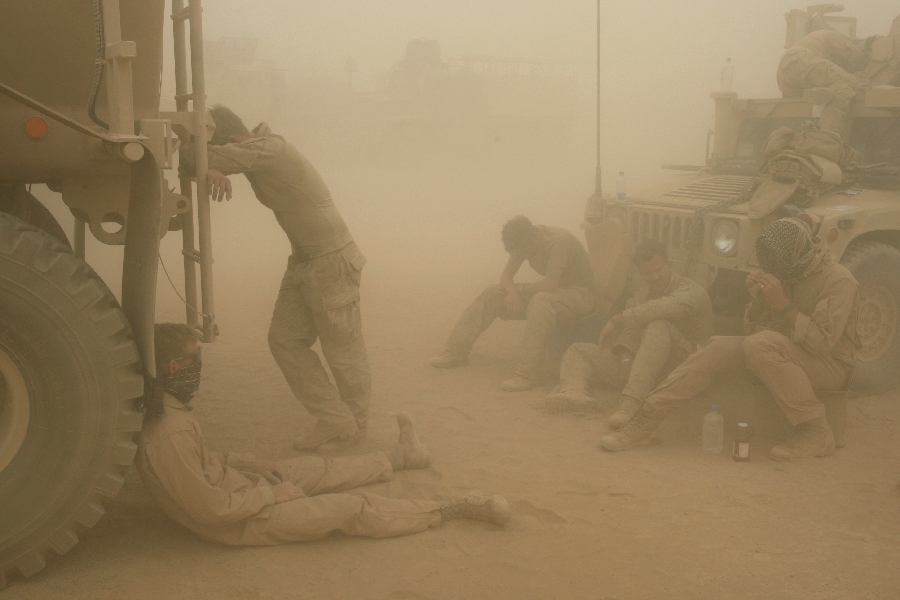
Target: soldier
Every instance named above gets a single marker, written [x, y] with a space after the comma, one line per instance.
[802, 326]
[319, 295]
[661, 325]
[234, 499]
[563, 295]
[827, 59]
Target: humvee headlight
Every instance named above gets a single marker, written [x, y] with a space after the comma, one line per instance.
[725, 237]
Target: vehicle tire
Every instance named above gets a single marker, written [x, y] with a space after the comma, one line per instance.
[877, 268]
[69, 372]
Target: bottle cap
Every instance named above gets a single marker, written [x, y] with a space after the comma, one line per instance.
[714, 407]
[742, 424]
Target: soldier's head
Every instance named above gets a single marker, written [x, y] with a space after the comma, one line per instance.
[519, 236]
[178, 359]
[229, 127]
[652, 261]
[785, 249]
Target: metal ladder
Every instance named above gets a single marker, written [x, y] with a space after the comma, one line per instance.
[195, 122]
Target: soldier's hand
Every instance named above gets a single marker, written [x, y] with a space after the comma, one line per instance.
[771, 288]
[514, 304]
[287, 491]
[754, 279]
[606, 334]
[219, 186]
[272, 471]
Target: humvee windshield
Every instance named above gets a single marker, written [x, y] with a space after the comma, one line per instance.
[876, 138]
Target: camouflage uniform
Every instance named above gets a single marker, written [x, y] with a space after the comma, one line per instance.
[570, 301]
[823, 58]
[658, 334]
[816, 354]
[319, 295]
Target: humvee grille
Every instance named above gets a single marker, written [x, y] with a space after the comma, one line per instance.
[712, 189]
[670, 229]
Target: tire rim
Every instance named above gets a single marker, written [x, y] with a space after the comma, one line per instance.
[877, 324]
[15, 410]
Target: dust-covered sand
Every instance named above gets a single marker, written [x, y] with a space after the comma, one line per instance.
[664, 521]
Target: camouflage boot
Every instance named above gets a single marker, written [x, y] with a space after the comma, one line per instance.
[475, 505]
[627, 409]
[813, 438]
[637, 431]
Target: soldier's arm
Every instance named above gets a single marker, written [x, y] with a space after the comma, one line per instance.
[177, 465]
[821, 331]
[248, 156]
[556, 265]
[678, 304]
[513, 264]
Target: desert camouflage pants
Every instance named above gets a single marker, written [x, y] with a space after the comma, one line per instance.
[801, 71]
[319, 299]
[659, 348]
[544, 310]
[790, 373]
[324, 511]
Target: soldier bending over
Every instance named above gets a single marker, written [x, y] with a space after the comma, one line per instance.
[661, 325]
[319, 295]
[802, 326]
[233, 499]
[564, 294]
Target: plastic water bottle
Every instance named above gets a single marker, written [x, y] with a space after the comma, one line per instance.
[727, 76]
[620, 188]
[713, 431]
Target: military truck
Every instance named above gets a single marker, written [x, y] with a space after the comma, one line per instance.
[79, 112]
[702, 216]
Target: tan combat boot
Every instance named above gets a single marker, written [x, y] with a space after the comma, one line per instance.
[813, 438]
[520, 383]
[448, 360]
[409, 453]
[637, 431]
[475, 505]
[575, 401]
[627, 409]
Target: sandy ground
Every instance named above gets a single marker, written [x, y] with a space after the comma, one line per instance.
[664, 521]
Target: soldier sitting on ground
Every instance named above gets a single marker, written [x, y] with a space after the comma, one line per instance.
[233, 499]
[802, 337]
[563, 295]
[661, 325]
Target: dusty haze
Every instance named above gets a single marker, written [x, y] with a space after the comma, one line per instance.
[425, 203]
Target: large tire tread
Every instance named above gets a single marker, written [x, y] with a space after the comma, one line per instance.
[39, 252]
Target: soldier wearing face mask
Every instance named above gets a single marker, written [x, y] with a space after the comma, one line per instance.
[232, 498]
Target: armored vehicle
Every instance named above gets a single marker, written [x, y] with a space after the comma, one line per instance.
[702, 217]
[79, 112]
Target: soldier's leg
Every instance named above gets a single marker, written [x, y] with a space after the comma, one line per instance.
[477, 317]
[690, 378]
[582, 365]
[657, 343]
[291, 336]
[844, 86]
[792, 374]
[332, 290]
[361, 514]
[316, 475]
[544, 310]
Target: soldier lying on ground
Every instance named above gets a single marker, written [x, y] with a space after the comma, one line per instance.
[661, 325]
[826, 59]
[319, 295]
[563, 295]
[802, 326]
[233, 499]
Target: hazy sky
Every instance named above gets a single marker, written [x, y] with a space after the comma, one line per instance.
[660, 58]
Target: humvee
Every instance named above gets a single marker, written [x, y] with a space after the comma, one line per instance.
[79, 112]
[702, 216]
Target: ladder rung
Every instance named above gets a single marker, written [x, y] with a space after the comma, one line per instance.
[183, 14]
[184, 97]
[194, 255]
